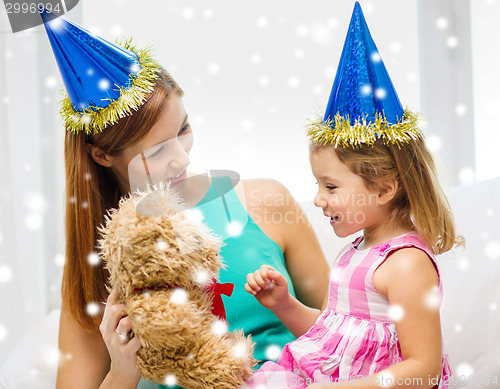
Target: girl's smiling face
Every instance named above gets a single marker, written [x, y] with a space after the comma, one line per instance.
[343, 195]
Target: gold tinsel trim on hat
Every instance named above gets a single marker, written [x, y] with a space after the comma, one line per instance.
[94, 119]
[341, 132]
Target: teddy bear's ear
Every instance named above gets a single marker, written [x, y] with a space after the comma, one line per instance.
[158, 202]
[151, 205]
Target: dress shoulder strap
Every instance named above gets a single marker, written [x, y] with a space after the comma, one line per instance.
[410, 239]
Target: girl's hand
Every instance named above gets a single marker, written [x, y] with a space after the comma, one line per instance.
[268, 286]
[115, 327]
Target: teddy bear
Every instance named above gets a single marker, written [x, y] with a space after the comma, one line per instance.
[165, 262]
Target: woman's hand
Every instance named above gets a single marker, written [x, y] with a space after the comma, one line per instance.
[269, 287]
[115, 327]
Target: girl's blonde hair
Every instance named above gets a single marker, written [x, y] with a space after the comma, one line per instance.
[91, 190]
[419, 204]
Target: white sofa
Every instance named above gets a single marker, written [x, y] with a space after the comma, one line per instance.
[470, 311]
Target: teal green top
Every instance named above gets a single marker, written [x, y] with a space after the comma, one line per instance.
[245, 249]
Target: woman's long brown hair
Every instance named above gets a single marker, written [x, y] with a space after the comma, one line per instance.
[91, 190]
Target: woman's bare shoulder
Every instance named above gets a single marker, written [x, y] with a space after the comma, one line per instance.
[267, 192]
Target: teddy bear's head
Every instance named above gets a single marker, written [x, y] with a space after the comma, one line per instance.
[156, 243]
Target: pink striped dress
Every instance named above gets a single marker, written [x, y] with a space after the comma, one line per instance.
[355, 335]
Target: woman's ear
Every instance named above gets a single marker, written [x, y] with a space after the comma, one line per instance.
[99, 156]
[387, 192]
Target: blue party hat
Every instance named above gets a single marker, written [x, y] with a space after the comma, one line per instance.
[104, 82]
[363, 104]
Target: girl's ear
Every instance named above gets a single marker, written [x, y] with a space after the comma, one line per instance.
[387, 192]
[99, 156]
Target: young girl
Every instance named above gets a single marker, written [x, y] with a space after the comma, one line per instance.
[100, 154]
[382, 312]
[380, 323]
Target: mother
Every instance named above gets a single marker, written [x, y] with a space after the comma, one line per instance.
[106, 148]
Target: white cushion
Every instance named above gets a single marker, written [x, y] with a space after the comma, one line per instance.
[470, 313]
[33, 362]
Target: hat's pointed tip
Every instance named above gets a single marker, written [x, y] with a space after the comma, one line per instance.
[357, 12]
[357, 17]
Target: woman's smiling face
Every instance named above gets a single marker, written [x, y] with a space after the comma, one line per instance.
[161, 156]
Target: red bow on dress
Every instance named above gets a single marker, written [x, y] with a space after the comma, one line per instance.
[217, 290]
